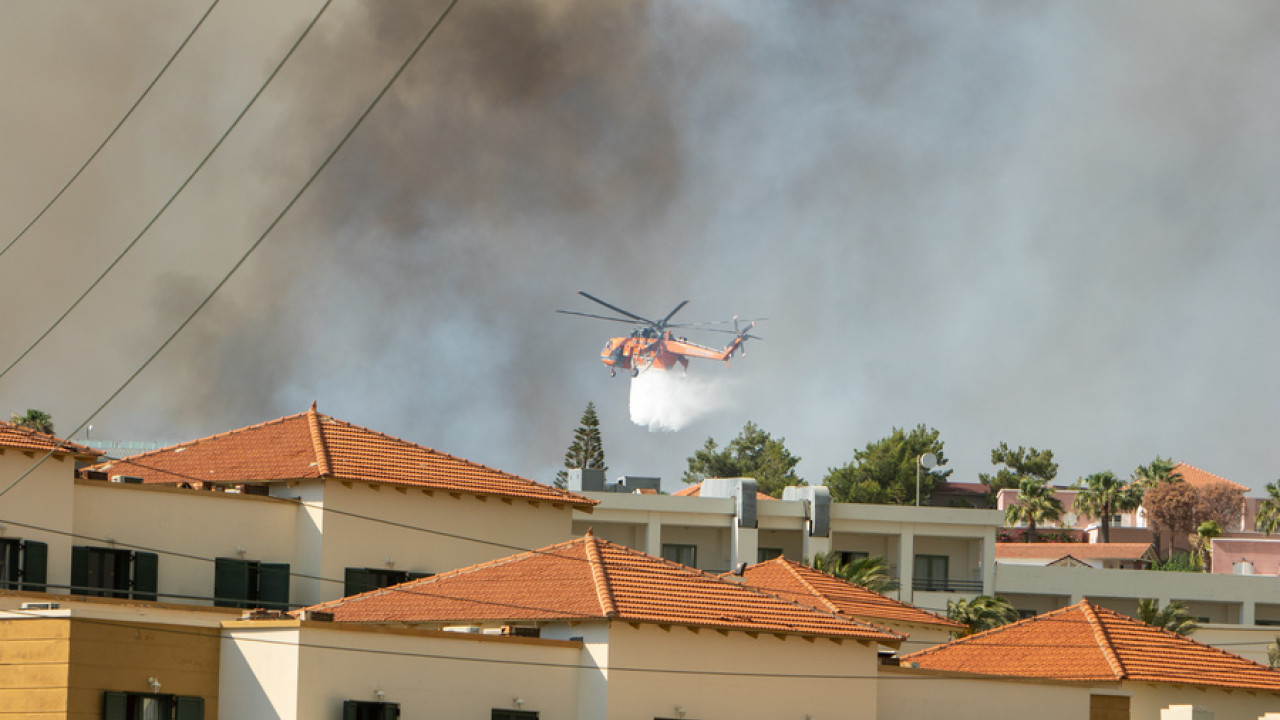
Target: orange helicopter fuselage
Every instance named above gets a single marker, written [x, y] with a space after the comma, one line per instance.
[643, 350]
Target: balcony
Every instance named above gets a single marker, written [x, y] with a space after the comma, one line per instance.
[946, 585]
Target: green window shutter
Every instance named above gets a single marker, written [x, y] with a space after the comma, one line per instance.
[115, 706]
[35, 565]
[391, 711]
[188, 708]
[146, 575]
[79, 570]
[273, 586]
[356, 581]
[230, 582]
[350, 710]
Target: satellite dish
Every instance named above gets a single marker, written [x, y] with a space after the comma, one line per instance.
[928, 461]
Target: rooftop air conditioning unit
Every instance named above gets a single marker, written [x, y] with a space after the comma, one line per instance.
[130, 479]
[40, 606]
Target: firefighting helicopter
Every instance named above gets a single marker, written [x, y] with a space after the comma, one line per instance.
[652, 344]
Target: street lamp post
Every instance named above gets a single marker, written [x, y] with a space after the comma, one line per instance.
[928, 461]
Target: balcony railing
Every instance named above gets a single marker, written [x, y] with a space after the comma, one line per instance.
[946, 585]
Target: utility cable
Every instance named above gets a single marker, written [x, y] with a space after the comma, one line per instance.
[113, 132]
[167, 203]
[254, 246]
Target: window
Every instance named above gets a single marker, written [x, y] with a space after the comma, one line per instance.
[930, 572]
[108, 572]
[513, 715]
[683, 554]
[23, 564]
[250, 584]
[848, 557]
[359, 580]
[767, 554]
[150, 706]
[366, 710]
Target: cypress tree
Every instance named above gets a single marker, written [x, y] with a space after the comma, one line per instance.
[587, 450]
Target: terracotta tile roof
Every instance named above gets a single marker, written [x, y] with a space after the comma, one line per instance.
[800, 583]
[312, 445]
[593, 579]
[1198, 477]
[1080, 551]
[21, 438]
[696, 491]
[1088, 643]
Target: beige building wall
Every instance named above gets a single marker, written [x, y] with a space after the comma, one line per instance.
[921, 695]
[304, 671]
[43, 503]
[35, 661]
[1149, 699]
[735, 675]
[191, 527]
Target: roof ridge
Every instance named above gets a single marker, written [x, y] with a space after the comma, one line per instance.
[189, 443]
[1103, 637]
[323, 466]
[1211, 474]
[791, 568]
[599, 576]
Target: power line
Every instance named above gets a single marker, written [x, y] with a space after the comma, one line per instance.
[245, 256]
[156, 217]
[113, 132]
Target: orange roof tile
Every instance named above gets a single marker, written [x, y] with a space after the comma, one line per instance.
[1198, 477]
[1088, 643]
[1080, 551]
[588, 579]
[800, 583]
[21, 438]
[312, 445]
[696, 491]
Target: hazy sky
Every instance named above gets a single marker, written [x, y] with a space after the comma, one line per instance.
[1050, 224]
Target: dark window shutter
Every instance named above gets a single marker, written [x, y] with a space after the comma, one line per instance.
[350, 710]
[35, 565]
[230, 582]
[420, 575]
[273, 586]
[146, 575]
[390, 711]
[356, 581]
[188, 708]
[115, 705]
[79, 570]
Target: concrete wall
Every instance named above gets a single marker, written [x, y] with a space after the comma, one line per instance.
[1149, 699]
[734, 675]
[302, 671]
[44, 504]
[1263, 553]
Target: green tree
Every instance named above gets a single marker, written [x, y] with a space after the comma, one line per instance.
[1173, 617]
[754, 454]
[587, 450]
[1036, 504]
[1157, 471]
[871, 573]
[1205, 533]
[1102, 494]
[885, 471]
[1018, 465]
[1268, 518]
[981, 613]
[37, 420]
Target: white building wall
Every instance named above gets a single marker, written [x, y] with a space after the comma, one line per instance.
[712, 675]
[919, 695]
[44, 504]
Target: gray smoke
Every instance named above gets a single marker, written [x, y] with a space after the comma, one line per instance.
[1050, 225]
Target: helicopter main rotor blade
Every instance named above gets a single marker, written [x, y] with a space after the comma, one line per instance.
[673, 312]
[615, 308]
[599, 317]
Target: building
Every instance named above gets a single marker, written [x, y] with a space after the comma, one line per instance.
[1092, 662]
[595, 630]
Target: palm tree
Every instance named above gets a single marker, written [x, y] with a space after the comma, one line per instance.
[981, 613]
[1102, 494]
[1036, 503]
[1208, 530]
[37, 420]
[1173, 617]
[1268, 518]
[1159, 470]
[871, 573]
